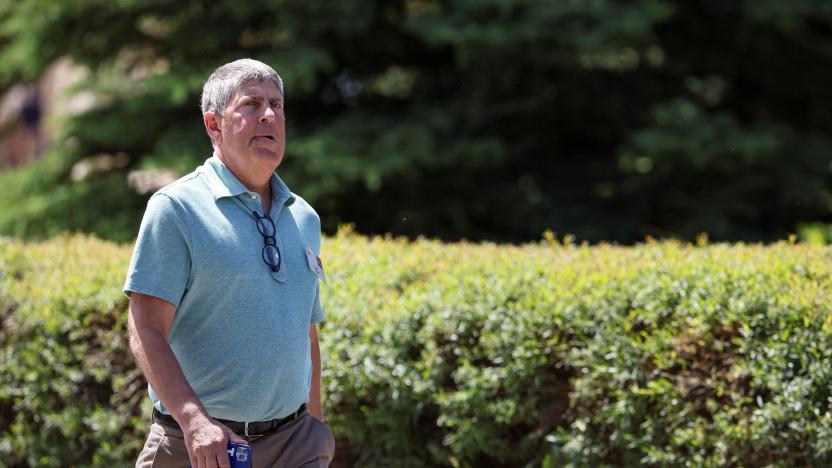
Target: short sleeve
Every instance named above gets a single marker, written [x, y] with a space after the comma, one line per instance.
[317, 309]
[161, 263]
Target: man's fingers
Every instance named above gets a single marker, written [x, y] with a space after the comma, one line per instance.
[208, 444]
[212, 456]
[222, 460]
[233, 437]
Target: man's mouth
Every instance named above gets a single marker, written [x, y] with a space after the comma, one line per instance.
[265, 136]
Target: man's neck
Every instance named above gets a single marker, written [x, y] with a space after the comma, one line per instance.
[266, 199]
[255, 180]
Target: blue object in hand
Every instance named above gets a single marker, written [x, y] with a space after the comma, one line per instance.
[239, 455]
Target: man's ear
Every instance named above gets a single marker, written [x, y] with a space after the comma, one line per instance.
[212, 126]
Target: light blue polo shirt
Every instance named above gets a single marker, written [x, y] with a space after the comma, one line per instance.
[241, 332]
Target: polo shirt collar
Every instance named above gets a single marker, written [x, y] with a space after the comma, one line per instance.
[223, 183]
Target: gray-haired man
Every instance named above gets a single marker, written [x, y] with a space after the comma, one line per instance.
[224, 294]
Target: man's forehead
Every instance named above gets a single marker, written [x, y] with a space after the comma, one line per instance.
[258, 88]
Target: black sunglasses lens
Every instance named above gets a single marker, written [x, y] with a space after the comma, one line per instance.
[271, 256]
[265, 226]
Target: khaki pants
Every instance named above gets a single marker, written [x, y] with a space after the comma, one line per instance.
[306, 441]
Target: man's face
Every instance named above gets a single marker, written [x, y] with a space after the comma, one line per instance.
[252, 129]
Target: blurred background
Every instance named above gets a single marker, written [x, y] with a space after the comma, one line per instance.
[481, 120]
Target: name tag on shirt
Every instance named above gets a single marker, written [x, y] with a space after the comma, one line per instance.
[315, 264]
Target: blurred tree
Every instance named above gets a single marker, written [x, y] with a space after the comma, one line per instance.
[480, 119]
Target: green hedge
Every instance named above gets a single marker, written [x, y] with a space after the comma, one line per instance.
[470, 355]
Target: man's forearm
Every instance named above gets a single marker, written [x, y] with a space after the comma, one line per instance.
[164, 374]
[315, 390]
[149, 322]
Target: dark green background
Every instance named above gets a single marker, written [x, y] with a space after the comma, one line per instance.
[610, 120]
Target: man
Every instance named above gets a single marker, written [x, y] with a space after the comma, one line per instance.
[224, 294]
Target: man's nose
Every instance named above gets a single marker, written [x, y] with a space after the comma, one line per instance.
[268, 115]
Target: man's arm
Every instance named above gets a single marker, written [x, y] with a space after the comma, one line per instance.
[315, 391]
[149, 321]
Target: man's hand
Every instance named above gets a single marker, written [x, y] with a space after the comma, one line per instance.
[207, 442]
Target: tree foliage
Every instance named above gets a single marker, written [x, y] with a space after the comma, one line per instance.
[480, 119]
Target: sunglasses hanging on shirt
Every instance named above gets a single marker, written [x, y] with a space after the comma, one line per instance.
[267, 229]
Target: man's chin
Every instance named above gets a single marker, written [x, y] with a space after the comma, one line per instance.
[267, 154]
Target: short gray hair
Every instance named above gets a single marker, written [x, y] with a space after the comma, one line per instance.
[228, 78]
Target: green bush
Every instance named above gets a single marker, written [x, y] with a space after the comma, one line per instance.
[547, 354]
[70, 393]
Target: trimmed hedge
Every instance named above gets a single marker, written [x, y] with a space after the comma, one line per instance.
[469, 355]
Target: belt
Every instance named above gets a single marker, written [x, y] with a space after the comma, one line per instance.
[247, 429]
